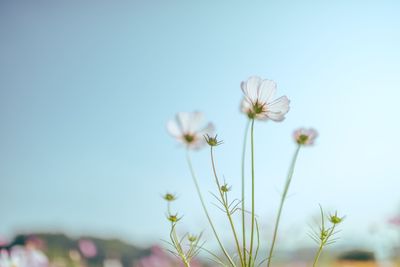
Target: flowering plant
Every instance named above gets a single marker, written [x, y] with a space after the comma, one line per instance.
[20, 256]
[258, 104]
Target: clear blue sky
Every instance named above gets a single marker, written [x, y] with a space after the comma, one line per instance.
[86, 90]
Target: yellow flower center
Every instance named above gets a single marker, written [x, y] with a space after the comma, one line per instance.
[302, 139]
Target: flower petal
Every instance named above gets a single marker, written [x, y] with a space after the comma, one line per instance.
[189, 122]
[196, 120]
[277, 109]
[183, 121]
[266, 91]
[209, 129]
[173, 128]
[246, 106]
[312, 133]
[250, 88]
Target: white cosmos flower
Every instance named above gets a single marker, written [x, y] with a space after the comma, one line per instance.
[23, 257]
[304, 136]
[6, 260]
[189, 128]
[258, 101]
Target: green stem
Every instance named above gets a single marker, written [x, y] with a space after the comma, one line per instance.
[177, 245]
[283, 198]
[252, 193]
[243, 191]
[317, 255]
[224, 200]
[205, 209]
[323, 243]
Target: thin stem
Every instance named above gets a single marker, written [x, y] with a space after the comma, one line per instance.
[317, 255]
[224, 200]
[323, 243]
[283, 198]
[252, 193]
[258, 243]
[177, 245]
[243, 190]
[205, 209]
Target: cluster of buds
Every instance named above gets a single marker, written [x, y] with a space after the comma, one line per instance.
[186, 255]
[169, 197]
[325, 234]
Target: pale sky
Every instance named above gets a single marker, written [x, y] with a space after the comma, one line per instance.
[86, 90]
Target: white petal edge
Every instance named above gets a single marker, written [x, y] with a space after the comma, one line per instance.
[266, 91]
[250, 87]
[277, 109]
[196, 121]
[173, 128]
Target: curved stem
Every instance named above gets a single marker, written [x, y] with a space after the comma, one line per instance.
[243, 191]
[252, 193]
[224, 200]
[205, 209]
[283, 198]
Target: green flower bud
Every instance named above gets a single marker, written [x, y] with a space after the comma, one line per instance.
[192, 238]
[212, 141]
[225, 188]
[169, 197]
[335, 219]
[173, 218]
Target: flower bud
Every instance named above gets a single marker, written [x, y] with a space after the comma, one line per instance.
[192, 238]
[212, 141]
[225, 188]
[335, 219]
[169, 197]
[173, 218]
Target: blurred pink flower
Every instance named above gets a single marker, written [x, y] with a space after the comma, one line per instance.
[87, 248]
[23, 257]
[395, 221]
[3, 241]
[35, 242]
[189, 128]
[304, 136]
[258, 102]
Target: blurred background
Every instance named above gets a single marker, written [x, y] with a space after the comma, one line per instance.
[86, 88]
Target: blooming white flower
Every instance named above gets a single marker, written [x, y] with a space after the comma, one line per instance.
[258, 100]
[304, 136]
[189, 128]
[6, 260]
[23, 257]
